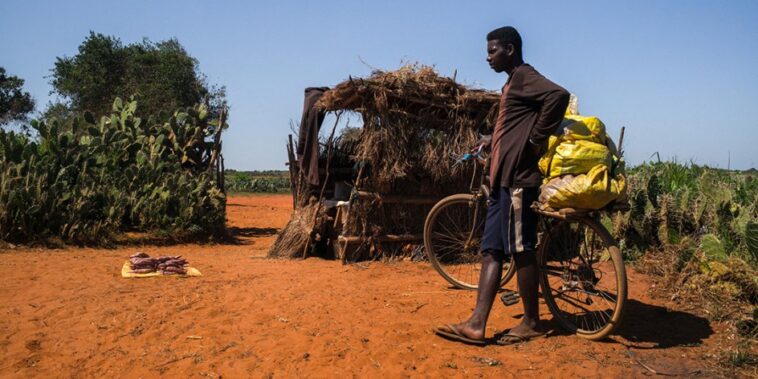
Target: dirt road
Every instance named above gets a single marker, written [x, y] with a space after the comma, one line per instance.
[68, 313]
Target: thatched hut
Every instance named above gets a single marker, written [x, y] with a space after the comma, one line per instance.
[374, 187]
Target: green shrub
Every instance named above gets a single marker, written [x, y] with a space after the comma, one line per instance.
[269, 181]
[670, 201]
[86, 180]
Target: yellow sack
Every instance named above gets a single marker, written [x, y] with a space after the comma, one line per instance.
[588, 128]
[593, 190]
[582, 144]
[574, 157]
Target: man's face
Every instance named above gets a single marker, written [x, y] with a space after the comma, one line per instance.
[499, 56]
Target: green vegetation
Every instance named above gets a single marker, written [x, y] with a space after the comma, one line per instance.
[714, 211]
[86, 180]
[161, 75]
[696, 229]
[269, 181]
[15, 105]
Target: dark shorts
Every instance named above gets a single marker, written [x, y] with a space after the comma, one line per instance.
[511, 225]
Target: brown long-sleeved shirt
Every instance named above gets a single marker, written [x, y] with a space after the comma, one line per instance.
[531, 109]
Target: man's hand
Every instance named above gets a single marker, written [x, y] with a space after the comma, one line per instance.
[538, 149]
[484, 142]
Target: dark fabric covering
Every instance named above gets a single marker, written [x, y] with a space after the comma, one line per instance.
[307, 143]
[534, 108]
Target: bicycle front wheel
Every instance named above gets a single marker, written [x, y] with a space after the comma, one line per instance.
[583, 277]
[452, 236]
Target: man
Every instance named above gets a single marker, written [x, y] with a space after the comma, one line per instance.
[531, 109]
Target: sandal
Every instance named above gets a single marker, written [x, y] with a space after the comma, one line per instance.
[451, 333]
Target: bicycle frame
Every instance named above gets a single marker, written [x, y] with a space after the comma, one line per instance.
[482, 189]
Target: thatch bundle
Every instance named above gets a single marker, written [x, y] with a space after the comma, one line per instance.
[414, 120]
[415, 123]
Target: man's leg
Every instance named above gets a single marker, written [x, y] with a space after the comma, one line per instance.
[492, 245]
[528, 283]
[523, 242]
[489, 283]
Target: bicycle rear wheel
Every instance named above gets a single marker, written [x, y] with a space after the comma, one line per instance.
[583, 277]
[452, 236]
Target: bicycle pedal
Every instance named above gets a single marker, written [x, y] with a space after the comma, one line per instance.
[509, 298]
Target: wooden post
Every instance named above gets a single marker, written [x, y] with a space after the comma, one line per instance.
[217, 140]
[222, 178]
[291, 163]
[621, 141]
[326, 179]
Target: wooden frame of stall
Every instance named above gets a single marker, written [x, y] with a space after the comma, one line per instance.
[342, 245]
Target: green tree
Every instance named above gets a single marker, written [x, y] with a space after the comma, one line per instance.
[162, 76]
[15, 105]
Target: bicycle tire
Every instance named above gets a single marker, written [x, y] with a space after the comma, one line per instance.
[558, 235]
[437, 235]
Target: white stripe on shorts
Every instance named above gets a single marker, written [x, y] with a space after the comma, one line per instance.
[517, 203]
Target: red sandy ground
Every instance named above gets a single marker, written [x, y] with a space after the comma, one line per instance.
[68, 313]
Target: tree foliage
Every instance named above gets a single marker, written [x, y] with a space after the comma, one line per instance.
[15, 104]
[161, 75]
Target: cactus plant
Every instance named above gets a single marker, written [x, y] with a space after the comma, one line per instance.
[86, 180]
[751, 238]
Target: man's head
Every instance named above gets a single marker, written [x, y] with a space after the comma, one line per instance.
[504, 49]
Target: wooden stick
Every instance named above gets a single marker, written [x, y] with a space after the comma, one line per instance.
[621, 142]
[291, 164]
[217, 139]
[326, 179]
[383, 238]
[222, 179]
[397, 199]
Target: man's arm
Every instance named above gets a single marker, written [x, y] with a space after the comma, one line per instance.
[552, 100]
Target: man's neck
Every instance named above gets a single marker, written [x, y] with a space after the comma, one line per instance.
[516, 65]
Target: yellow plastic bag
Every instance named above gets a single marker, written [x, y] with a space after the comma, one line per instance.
[588, 128]
[581, 145]
[593, 190]
[574, 157]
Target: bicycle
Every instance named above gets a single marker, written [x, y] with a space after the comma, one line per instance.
[576, 254]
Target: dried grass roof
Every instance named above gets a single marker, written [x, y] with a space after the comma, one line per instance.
[409, 90]
[414, 120]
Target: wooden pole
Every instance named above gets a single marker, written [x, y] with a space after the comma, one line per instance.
[396, 199]
[621, 141]
[326, 179]
[217, 139]
[291, 163]
[384, 238]
[222, 178]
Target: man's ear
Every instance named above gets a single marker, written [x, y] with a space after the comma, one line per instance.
[510, 49]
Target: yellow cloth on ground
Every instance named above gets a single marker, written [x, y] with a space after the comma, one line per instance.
[126, 272]
[593, 190]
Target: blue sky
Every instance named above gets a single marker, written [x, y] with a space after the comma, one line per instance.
[682, 76]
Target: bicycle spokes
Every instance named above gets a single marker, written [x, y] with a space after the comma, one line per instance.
[581, 277]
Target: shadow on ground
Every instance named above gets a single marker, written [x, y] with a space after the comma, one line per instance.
[240, 236]
[647, 326]
[662, 327]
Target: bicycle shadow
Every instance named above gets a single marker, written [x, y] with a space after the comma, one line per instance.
[662, 327]
[648, 326]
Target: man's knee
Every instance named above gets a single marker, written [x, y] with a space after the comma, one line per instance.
[492, 256]
[525, 258]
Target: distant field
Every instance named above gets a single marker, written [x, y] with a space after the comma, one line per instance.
[269, 181]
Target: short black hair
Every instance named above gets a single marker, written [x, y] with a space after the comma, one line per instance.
[506, 34]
